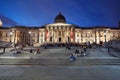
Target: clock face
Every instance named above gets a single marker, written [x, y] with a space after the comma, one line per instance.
[0, 22]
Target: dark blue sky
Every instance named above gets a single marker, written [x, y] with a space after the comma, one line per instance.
[79, 12]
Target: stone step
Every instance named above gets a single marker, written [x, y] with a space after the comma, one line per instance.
[60, 61]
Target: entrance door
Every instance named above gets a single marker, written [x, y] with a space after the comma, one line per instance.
[50, 39]
[59, 39]
[68, 39]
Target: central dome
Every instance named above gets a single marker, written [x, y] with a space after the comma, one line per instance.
[60, 18]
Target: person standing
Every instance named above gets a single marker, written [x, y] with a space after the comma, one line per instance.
[84, 48]
[38, 51]
[4, 49]
[31, 50]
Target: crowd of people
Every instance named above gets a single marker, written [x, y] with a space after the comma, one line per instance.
[83, 50]
[77, 53]
[68, 46]
[36, 52]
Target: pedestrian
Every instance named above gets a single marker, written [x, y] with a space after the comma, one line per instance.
[84, 47]
[83, 53]
[72, 57]
[4, 49]
[69, 47]
[76, 51]
[15, 51]
[38, 51]
[31, 50]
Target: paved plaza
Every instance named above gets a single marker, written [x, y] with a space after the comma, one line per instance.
[54, 64]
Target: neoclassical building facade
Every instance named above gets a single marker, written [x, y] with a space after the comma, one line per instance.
[58, 32]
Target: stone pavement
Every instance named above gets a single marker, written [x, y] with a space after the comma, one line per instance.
[114, 52]
[56, 61]
[59, 73]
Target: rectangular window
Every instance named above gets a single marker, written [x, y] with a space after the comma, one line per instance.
[85, 34]
[41, 35]
[6, 35]
[113, 34]
[41, 40]
[50, 33]
[91, 35]
[59, 33]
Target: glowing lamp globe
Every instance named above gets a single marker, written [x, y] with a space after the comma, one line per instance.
[0, 23]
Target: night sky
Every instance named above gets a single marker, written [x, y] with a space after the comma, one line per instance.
[80, 12]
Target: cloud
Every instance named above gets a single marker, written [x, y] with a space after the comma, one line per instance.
[6, 21]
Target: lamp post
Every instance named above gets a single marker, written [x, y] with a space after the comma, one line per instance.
[14, 41]
[30, 41]
[11, 33]
[14, 38]
[30, 36]
[105, 36]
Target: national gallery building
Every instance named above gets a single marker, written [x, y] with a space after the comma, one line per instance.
[58, 32]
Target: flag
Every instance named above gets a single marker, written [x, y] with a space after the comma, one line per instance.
[72, 34]
[47, 34]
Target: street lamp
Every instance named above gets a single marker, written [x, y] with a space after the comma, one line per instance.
[105, 36]
[14, 31]
[30, 32]
[30, 41]
[11, 35]
[30, 36]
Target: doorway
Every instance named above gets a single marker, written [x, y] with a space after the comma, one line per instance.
[59, 39]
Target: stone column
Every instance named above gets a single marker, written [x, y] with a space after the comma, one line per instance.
[81, 37]
[95, 37]
[38, 36]
[99, 35]
[53, 36]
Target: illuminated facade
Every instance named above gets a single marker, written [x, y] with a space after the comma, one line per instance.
[58, 32]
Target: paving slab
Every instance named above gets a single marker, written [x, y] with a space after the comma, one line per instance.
[59, 73]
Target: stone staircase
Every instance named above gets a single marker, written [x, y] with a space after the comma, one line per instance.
[47, 61]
